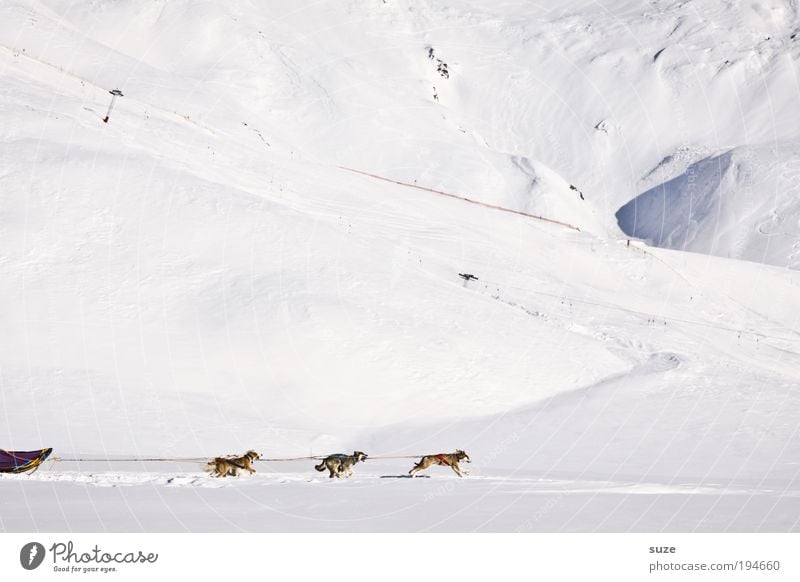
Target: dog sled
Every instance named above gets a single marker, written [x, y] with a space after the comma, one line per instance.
[22, 461]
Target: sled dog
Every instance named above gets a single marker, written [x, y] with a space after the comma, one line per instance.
[224, 466]
[341, 465]
[447, 459]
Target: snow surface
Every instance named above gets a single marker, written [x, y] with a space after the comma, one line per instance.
[205, 274]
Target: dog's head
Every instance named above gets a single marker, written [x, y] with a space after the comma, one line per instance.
[359, 456]
[461, 455]
[252, 455]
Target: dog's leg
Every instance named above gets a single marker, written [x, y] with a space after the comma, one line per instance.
[421, 466]
[456, 469]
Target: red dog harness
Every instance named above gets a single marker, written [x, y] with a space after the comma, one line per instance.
[443, 460]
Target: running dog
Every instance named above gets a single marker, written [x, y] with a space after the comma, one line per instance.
[447, 459]
[230, 466]
[341, 465]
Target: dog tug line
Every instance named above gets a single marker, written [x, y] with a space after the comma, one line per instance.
[338, 464]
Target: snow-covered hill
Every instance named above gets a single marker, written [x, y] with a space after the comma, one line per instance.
[715, 206]
[205, 273]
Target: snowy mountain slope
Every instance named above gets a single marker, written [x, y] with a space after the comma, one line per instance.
[715, 207]
[599, 94]
[201, 276]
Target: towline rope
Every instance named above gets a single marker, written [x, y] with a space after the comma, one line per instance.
[371, 457]
[205, 459]
[129, 460]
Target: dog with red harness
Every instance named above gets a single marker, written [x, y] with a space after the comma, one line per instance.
[447, 459]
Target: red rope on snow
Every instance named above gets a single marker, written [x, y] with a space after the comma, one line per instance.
[463, 198]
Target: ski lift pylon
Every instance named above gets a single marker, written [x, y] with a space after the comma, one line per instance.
[114, 94]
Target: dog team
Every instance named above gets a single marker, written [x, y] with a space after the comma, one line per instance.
[338, 465]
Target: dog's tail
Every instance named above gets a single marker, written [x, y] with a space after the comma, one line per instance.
[320, 467]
